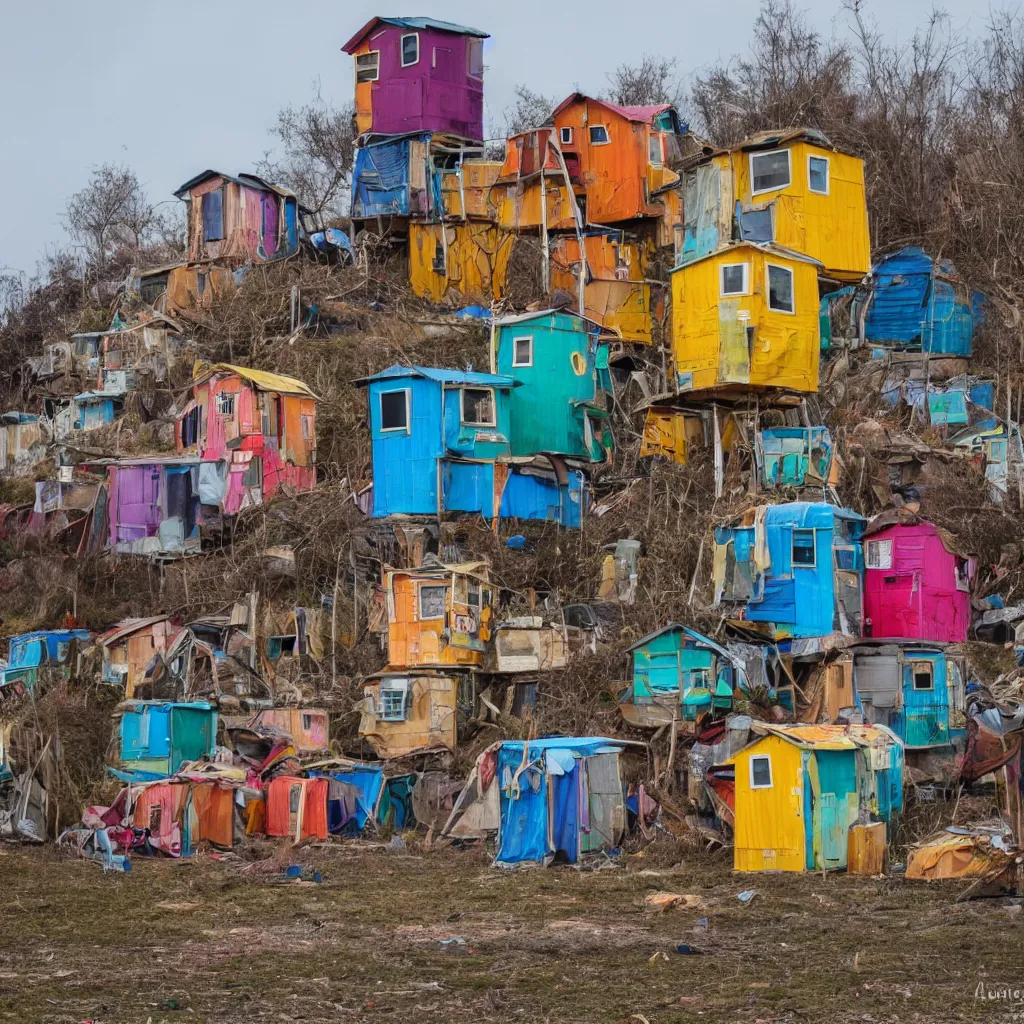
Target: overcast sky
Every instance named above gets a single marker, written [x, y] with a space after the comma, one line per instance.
[170, 90]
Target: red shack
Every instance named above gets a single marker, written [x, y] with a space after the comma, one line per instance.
[916, 582]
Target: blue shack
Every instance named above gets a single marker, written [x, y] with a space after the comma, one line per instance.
[562, 406]
[440, 444]
[679, 673]
[794, 456]
[916, 689]
[919, 304]
[795, 569]
[30, 652]
[158, 737]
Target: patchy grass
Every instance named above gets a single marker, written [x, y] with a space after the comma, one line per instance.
[206, 942]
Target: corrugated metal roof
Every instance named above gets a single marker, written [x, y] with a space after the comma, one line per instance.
[126, 627]
[442, 376]
[768, 248]
[248, 180]
[263, 380]
[825, 737]
[413, 23]
[643, 114]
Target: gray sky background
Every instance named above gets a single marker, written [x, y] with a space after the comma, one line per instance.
[172, 90]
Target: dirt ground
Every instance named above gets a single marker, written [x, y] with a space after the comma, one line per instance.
[209, 941]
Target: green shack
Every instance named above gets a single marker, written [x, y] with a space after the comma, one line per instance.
[679, 674]
[561, 363]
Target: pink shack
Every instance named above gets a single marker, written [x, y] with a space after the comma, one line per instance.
[254, 433]
[916, 582]
[418, 75]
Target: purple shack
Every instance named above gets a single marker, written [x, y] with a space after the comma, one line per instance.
[418, 75]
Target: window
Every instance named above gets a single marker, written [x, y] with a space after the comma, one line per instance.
[294, 798]
[393, 694]
[394, 410]
[226, 403]
[817, 174]
[735, 279]
[761, 772]
[803, 548]
[923, 677]
[578, 362]
[478, 407]
[599, 135]
[368, 66]
[213, 215]
[780, 289]
[654, 151]
[410, 49]
[700, 679]
[307, 427]
[432, 598]
[307, 722]
[769, 171]
[522, 351]
[440, 263]
[879, 554]
[475, 56]
[963, 575]
[565, 136]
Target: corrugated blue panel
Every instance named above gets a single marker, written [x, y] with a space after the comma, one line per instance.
[532, 497]
[146, 733]
[381, 179]
[469, 487]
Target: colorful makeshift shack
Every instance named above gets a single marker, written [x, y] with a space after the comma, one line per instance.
[916, 581]
[996, 451]
[175, 815]
[746, 314]
[915, 303]
[679, 675]
[21, 441]
[254, 433]
[158, 737]
[805, 793]
[418, 75]
[915, 689]
[363, 796]
[459, 263]
[238, 220]
[796, 569]
[533, 191]
[554, 799]
[296, 807]
[561, 363]
[48, 649]
[130, 647]
[87, 411]
[405, 712]
[309, 729]
[795, 457]
[792, 189]
[958, 400]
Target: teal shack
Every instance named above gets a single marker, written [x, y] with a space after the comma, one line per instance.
[562, 406]
[794, 456]
[915, 689]
[158, 737]
[679, 674]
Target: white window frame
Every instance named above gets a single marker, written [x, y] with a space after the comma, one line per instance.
[400, 686]
[814, 547]
[774, 188]
[828, 174]
[770, 784]
[462, 407]
[768, 288]
[660, 140]
[474, 46]
[401, 49]
[565, 135]
[607, 135]
[376, 70]
[407, 429]
[515, 350]
[721, 279]
[425, 585]
[875, 556]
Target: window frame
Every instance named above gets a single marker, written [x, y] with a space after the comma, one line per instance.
[813, 564]
[493, 422]
[401, 49]
[877, 563]
[392, 687]
[828, 175]
[767, 758]
[376, 67]
[475, 46]
[422, 586]
[562, 140]
[407, 429]
[604, 128]
[773, 188]
[227, 398]
[920, 663]
[659, 139]
[722, 268]
[516, 363]
[768, 267]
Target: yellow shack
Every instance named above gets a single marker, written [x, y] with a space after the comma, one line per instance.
[746, 315]
[792, 188]
[804, 794]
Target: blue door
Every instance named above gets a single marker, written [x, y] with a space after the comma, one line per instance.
[925, 701]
